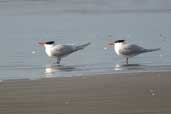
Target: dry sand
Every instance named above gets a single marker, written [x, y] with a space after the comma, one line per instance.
[136, 93]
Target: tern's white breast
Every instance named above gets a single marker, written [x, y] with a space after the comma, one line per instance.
[118, 47]
[48, 50]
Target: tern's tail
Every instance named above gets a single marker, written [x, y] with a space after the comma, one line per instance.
[151, 50]
[82, 46]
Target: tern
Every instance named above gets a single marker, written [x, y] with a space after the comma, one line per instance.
[59, 51]
[129, 50]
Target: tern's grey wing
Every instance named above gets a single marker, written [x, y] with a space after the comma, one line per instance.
[131, 50]
[63, 50]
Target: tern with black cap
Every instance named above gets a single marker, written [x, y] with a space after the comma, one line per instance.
[59, 51]
[128, 50]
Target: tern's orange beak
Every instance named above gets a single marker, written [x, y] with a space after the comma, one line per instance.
[110, 43]
[41, 43]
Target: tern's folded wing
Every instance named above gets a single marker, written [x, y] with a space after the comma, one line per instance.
[131, 50]
[63, 50]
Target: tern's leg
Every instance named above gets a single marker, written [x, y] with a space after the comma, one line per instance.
[58, 60]
[127, 60]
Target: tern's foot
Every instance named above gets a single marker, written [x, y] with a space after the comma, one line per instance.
[58, 61]
[58, 64]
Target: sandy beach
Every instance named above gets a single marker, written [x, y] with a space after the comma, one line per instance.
[134, 93]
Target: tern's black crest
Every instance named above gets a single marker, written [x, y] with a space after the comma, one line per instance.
[119, 41]
[50, 42]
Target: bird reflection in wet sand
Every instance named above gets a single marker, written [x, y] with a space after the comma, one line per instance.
[52, 69]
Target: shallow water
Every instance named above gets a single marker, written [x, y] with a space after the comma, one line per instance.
[24, 23]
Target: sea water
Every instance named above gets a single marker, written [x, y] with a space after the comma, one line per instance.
[24, 23]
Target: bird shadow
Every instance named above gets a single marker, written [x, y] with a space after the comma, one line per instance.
[128, 67]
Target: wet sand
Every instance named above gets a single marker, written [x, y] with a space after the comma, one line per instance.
[134, 93]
